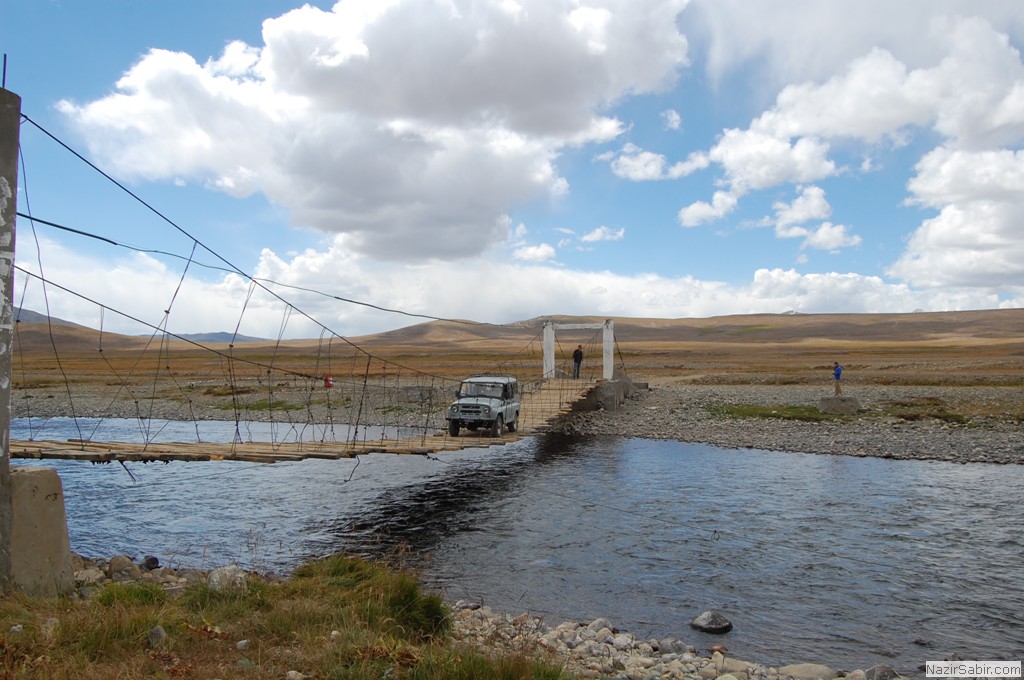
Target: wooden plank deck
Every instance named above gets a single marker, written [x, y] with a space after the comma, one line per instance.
[544, 403]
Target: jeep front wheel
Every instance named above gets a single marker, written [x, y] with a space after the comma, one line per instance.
[453, 428]
[497, 426]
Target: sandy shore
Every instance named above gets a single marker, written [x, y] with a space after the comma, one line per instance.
[984, 427]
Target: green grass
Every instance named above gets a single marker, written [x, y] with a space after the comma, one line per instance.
[336, 618]
[922, 408]
[780, 412]
[918, 409]
[131, 593]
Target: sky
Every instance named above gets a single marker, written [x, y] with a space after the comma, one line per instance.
[500, 160]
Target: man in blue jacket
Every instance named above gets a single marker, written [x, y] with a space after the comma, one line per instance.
[837, 375]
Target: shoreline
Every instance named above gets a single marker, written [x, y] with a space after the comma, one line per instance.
[694, 413]
[952, 423]
[594, 649]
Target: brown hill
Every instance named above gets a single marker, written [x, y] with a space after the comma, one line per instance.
[980, 346]
[749, 328]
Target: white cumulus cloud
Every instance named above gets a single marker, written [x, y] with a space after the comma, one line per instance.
[414, 126]
[638, 165]
[537, 253]
[810, 205]
[604, 233]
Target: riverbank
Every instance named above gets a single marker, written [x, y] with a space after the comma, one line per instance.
[594, 649]
[955, 423]
[950, 423]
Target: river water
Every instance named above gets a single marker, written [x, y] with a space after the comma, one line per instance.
[839, 560]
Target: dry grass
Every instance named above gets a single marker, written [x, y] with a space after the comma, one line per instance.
[335, 618]
[983, 348]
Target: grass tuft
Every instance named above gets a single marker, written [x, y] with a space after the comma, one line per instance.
[335, 618]
[131, 593]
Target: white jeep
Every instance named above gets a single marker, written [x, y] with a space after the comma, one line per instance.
[490, 401]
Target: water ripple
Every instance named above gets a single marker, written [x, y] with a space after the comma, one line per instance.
[842, 560]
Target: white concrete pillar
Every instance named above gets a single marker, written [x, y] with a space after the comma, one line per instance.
[608, 337]
[549, 350]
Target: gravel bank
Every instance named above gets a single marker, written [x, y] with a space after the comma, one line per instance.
[692, 413]
[599, 650]
[990, 430]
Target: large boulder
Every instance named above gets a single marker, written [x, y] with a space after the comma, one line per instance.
[122, 568]
[712, 621]
[226, 579]
[844, 406]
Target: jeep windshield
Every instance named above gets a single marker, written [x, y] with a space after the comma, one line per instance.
[476, 389]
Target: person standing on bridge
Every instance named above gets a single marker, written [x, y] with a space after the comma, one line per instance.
[577, 360]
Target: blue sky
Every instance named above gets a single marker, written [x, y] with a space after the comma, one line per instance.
[501, 160]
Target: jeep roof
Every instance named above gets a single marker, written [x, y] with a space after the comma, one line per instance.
[490, 379]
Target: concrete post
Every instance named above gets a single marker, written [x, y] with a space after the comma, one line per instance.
[10, 122]
[608, 337]
[549, 350]
[40, 548]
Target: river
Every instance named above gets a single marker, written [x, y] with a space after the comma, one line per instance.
[840, 560]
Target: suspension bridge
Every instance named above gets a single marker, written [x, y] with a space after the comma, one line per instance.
[545, 401]
[328, 398]
[543, 404]
[388, 409]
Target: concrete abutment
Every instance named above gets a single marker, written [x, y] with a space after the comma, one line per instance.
[40, 548]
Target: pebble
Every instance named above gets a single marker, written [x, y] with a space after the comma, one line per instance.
[157, 636]
[592, 650]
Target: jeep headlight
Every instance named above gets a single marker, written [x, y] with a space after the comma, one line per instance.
[454, 408]
[486, 410]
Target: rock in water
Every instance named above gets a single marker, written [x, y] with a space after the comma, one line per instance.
[712, 622]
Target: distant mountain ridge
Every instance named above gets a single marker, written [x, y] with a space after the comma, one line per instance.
[783, 328]
[29, 316]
